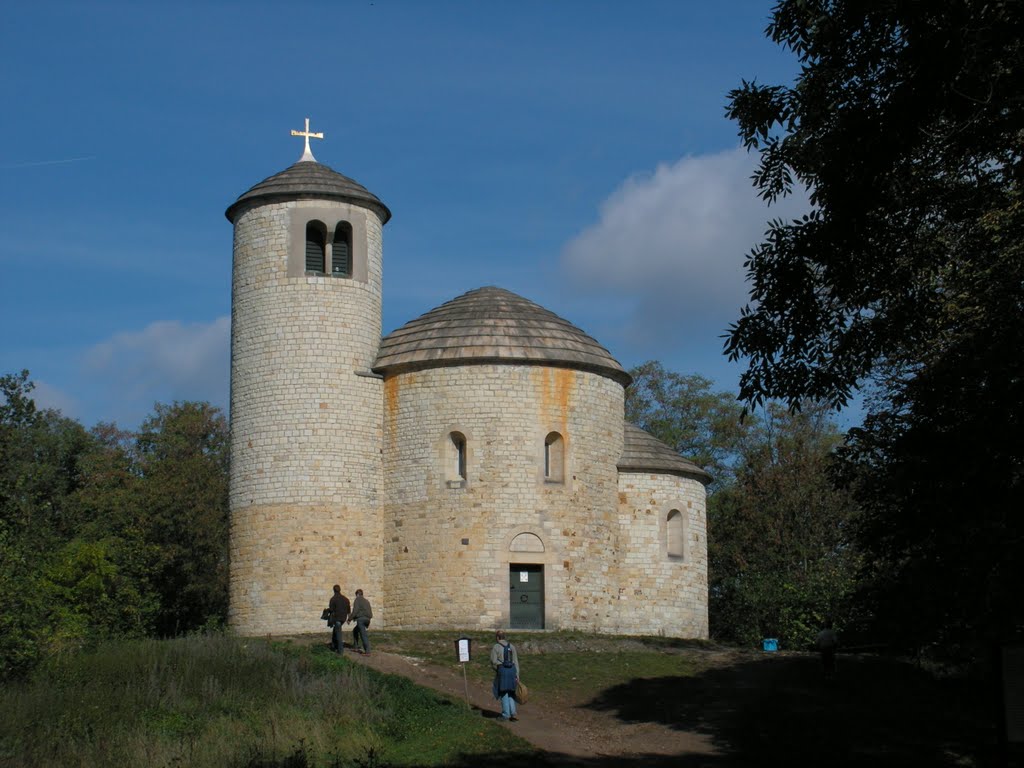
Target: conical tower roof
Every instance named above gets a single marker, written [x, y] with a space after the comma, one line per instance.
[308, 180]
[643, 452]
[492, 325]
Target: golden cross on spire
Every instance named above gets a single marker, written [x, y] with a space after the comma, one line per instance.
[307, 155]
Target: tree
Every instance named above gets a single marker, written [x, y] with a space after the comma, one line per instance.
[904, 126]
[779, 539]
[685, 414]
[107, 533]
[906, 278]
[939, 474]
[104, 576]
[779, 549]
[182, 454]
[91, 595]
[39, 455]
[39, 472]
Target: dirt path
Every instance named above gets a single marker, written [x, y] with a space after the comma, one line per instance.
[561, 729]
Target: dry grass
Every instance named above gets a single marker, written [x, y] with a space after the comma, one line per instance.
[221, 701]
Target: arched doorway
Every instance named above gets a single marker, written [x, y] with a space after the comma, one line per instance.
[526, 584]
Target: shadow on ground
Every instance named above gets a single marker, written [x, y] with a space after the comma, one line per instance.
[778, 710]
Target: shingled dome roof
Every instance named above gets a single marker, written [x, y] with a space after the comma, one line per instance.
[492, 325]
[308, 180]
[643, 452]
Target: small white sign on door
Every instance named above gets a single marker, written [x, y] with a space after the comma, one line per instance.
[524, 576]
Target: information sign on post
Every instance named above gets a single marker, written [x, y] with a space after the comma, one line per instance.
[462, 653]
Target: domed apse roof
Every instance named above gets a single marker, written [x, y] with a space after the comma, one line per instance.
[492, 325]
[307, 180]
[643, 452]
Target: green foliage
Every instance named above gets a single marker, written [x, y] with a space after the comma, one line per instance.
[39, 454]
[685, 414]
[940, 474]
[108, 499]
[23, 612]
[780, 550]
[39, 472]
[107, 534]
[905, 126]
[779, 540]
[92, 596]
[183, 459]
[421, 727]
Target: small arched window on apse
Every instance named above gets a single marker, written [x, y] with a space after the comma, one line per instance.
[341, 250]
[554, 458]
[456, 470]
[316, 242]
[675, 531]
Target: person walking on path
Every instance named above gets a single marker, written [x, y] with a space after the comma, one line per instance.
[361, 615]
[339, 611]
[505, 663]
[827, 643]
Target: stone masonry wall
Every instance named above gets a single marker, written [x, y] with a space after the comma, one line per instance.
[306, 472]
[660, 594]
[447, 545]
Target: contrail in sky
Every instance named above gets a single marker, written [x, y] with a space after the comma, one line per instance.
[45, 162]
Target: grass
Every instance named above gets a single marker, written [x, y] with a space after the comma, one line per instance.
[569, 665]
[221, 701]
[756, 708]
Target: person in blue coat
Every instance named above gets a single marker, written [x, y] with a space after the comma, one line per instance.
[505, 663]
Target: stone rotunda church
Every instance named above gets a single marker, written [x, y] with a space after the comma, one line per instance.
[470, 470]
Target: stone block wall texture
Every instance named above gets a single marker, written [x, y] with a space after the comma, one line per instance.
[432, 578]
[649, 576]
[306, 468]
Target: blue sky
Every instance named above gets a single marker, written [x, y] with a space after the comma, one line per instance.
[576, 153]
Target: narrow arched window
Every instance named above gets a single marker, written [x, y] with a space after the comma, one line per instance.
[316, 241]
[341, 251]
[554, 458]
[457, 456]
[675, 532]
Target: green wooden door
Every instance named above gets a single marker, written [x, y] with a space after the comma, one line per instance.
[526, 596]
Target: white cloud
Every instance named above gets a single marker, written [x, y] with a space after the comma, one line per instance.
[163, 362]
[48, 396]
[672, 244]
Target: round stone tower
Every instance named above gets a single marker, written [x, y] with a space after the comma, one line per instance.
[306, 414]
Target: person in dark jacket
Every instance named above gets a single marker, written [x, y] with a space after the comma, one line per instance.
[361, 615]
[339, 611]
[827, 643]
